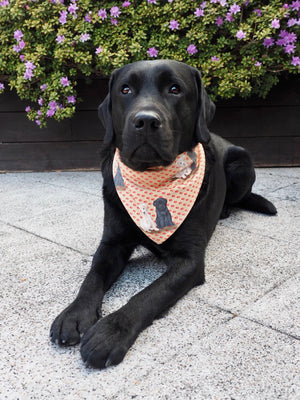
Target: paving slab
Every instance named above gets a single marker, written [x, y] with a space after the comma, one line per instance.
[279, 309]
[241, 360]
[241, 267]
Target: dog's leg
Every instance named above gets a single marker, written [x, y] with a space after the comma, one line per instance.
[107, 342]
[240, 176]
[79, 316]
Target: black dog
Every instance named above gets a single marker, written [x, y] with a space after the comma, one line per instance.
[155, 110]
[163, 216]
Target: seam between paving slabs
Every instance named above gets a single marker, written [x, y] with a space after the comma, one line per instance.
[48, 240]
[254, 232]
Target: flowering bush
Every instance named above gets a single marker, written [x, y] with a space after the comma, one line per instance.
[240, 47]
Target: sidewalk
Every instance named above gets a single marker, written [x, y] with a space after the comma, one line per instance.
[236, 337]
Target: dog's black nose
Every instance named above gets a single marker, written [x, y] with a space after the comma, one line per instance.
[146, 119]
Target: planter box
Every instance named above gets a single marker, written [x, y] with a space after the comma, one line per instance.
[268, 128]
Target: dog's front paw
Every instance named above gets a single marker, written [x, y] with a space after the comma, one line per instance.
[72, 323]
[107, 342]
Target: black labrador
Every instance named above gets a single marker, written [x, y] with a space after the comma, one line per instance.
[155, 110]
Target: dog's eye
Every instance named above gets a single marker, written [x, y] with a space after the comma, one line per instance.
[126, 89]
[175, 89]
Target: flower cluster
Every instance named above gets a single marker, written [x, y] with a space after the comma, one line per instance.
[240, 46]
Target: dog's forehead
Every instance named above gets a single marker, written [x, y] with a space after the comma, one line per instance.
[155, 70]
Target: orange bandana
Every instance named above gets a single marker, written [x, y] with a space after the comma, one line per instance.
[159, 200]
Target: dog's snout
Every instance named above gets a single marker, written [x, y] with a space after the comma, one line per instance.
[146, 119]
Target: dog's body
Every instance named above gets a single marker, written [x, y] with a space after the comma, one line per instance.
[155, 110]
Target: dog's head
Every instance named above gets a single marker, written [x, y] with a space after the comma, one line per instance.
[154, 111]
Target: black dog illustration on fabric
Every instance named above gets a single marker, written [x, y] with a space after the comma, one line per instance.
[119, 179]
[163, 215]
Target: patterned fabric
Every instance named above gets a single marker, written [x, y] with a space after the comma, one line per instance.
[159, 200]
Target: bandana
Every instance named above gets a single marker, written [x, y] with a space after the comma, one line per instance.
[159, 200]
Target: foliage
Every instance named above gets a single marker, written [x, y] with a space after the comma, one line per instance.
[241, 47]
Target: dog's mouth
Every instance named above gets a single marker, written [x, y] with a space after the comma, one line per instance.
[145, 157]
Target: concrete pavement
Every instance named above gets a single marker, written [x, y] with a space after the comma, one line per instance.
[235, 337]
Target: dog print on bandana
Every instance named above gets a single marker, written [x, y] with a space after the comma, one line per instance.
[159, 200]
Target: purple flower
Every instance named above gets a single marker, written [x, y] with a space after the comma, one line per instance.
[28, 74]
[102, 13]
[257, 64]
[114, 21]
[1, 86]
[38, 122]
[22, 57]
[115, 11]
[98, 50]
[240, 34]
[275, 23]
[84, 37]
[295, 5]
[29, 65]
[292, 37]
[219, 21]
[289, 48]
[215, 58]
[60, 38]
[152, 52]
[16, 48]
[27, 109]
[214, 1]
[229, 17]
[87, 17]
[18, 35]
[223, 3]
[21, 44]
[174, 24]
[295, 61]
[258, 12]
[40, 101]
[203, 5]
[72, 8]
[53, 105]
[199, 12]
[192, 49]
[152, 1]
[65, 81]
[126, 4]
[234, 9]
[291, 22]
[268, 42]
[63, 17]
[71, 99]
[43, 87]
[4, 3]
[50, 112]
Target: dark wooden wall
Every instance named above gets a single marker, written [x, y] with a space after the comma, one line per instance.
[268, 128]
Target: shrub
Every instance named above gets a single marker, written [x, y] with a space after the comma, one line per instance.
[241, 47]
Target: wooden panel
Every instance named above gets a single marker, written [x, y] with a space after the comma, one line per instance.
[16, 127]
[49, 156]
[271, 152]
[285, 93]
[92, 94]
[86, 125]
[256, 121]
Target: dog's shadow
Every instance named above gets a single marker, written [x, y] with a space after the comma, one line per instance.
[142, 269]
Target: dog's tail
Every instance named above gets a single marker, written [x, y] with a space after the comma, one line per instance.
[255, 202]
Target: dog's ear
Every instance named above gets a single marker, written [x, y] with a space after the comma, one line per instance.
[104, 114]
[206, 111]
